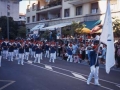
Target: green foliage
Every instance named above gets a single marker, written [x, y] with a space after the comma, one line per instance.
[71, 31]
[45, 35]
[22, 32]
[13, 27]
[116, 27]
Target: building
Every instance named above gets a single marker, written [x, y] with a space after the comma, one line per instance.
[53, 12]
[13, 8]
[22, 19]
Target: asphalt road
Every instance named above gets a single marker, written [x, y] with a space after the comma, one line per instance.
[60, 75]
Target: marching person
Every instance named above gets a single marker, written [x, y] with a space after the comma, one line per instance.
[33, 49]
[47, 47]
[38, 54]
[5, 49]
[21, 54]
[15, 49]
[10, 51]
[94, 66]
[41, 48]
[30, 48]
[52, 53]
[26, 51]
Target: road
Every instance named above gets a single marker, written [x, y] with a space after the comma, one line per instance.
[60, 75]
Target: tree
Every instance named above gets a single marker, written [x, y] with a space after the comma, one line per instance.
[116, 27]
[45, 35]
[22, 32]
[13, 27]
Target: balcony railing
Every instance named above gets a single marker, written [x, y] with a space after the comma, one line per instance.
[51, 4]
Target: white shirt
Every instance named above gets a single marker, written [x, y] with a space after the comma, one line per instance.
[97, 37]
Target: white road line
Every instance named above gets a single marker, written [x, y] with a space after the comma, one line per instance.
[9, 83]
[30, 61]
[79, 76]
[67, 75]
[118, 85]
[48, 67]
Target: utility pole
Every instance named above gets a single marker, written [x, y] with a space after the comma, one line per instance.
[8, 13]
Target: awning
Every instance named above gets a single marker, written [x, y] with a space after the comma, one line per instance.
[54, 27]
[38, 27]
[91, 24]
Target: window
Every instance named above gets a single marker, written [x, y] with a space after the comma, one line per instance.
[28, 8]
[79, 10]
[28, 19]
[94, 8]
[33, 18]
[33, 6]
[66, 12]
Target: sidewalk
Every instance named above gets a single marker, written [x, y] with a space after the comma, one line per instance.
[84, 62]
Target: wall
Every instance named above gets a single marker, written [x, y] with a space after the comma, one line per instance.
[31, 12]
[14, 9]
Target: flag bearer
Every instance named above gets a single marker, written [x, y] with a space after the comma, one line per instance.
[21, 54]
[37, 52]
[52, 53]
[94, 67]
[10, 51]
[26, 51]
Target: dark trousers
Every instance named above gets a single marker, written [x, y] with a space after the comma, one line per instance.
[59, 51]
[118, 61]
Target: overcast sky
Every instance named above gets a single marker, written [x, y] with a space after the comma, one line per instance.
[23, 6]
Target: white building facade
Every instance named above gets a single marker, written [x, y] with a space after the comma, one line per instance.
[13, 8]
[65, 11]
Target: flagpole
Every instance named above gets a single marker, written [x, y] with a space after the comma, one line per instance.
[7, 22]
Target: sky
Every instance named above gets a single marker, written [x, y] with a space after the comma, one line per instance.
[23, 5]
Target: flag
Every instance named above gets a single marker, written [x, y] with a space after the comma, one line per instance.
[8, 7]
[107, 38]
[8, 10]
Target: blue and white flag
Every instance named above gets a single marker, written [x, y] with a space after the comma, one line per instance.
[108, 39]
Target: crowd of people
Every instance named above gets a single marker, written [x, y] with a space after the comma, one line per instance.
[68, 50]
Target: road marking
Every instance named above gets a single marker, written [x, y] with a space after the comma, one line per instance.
[9, 83]
[79, 76]
[30, 62]
[67, 75]
[48, 67]
[118, 85]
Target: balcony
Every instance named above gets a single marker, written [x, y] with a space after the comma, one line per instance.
[79, 2]
[51, 6]
[49, 15]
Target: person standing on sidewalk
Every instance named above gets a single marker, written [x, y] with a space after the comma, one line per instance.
[94, 67]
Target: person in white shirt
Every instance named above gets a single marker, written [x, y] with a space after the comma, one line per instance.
[97, 39]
